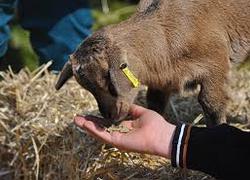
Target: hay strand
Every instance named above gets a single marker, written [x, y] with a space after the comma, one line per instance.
[39, 141]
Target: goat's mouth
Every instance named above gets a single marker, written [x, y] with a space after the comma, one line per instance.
[116, 114]
[121, 113]
[116, 118]
[114, 121]
[121, 117]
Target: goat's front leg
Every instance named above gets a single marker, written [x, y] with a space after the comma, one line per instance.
[157, 100]
[213, 99]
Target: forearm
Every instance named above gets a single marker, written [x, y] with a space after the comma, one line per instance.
[222, 151]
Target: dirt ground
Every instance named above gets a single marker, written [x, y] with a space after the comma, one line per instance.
[39, 141]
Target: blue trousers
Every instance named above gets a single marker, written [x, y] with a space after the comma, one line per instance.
[56, 26]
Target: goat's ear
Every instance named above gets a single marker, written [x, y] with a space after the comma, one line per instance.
[64, 76]
[119, 81]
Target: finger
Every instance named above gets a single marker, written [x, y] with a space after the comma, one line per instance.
[93, 128]
[97, 120]
[131, 141]
[136, 111]
[115, 138]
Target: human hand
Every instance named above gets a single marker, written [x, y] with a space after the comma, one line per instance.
[150, 132]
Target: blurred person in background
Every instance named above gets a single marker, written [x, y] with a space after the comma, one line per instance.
[56, 27]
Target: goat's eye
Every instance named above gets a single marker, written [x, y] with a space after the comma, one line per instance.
[112, 90]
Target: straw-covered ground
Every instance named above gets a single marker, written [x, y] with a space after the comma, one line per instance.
[39, 141]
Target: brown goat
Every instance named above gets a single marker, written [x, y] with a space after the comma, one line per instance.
[169, 45]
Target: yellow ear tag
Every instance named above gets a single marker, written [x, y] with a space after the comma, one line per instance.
[131, 77]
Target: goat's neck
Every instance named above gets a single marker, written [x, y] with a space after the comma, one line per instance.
[150, 53]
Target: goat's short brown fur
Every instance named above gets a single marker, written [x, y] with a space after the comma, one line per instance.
[168, 45]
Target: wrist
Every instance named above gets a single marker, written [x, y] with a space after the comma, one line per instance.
[164, 146]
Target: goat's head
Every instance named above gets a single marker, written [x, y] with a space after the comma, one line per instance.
[96, 66]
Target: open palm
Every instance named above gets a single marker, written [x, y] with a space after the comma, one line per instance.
[150, 133]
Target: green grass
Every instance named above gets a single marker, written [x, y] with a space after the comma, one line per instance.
[20, 42]
[245, 65]
[115, 16]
